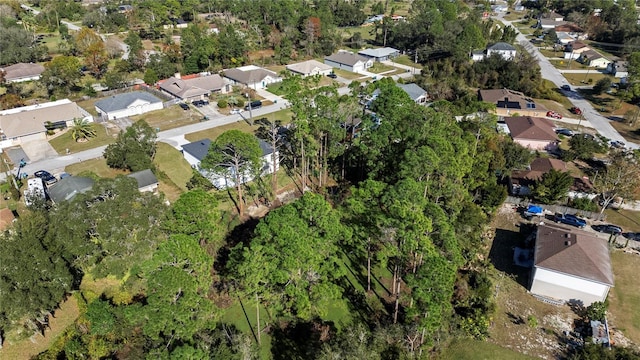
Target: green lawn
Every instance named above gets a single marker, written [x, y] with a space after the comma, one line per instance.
[627, 219]
[568, 65]
[469, 349]
[624, 298]
[590, 78]
[276, 89]
[365, 31]
[378, 68]
[171, 162]
[95, 166]
[283, 115]
[104, 136]
[346, 74]
[405, 60]
[169, 118]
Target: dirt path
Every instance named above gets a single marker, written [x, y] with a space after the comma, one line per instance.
[25, 349]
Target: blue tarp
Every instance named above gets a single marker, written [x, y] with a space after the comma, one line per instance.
[532, 209]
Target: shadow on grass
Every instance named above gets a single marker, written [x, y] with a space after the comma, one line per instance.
[300, 340]
[597, 101]
[253, 332]
[502, 249]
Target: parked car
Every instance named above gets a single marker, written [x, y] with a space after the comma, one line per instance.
[256, 104]
[608, 228]
[235, 111]
[570, 219]
[565, 132]
[566, 87]
[332, 75]
[632, 236]
[553, 114]
[200, 103]
[576, 110]
[184, 106]
[46, 177]
[618, 144]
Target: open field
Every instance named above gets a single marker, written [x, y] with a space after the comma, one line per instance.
[624, 298]
[569, 65]
[514, 15]
[104, 136]
[169, 118]
[630, 133]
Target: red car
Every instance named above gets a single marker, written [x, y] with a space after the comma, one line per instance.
[576, 110]
[553, 114]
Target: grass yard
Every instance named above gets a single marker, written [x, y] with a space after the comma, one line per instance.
[283, 115]
[565, 64]
[95, 166]
[276, 89]
[627, 219]
[590, 78]
[469, 349]
[178, 171]
[405, 60]
[624, 298]
[89, 105]
[169, 118]
[104, 136]
[365, 31]
[630, 133]
[514, 15]
[65, 316]
[379, 67]
[346, 74]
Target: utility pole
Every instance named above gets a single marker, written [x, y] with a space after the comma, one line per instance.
[250, 113]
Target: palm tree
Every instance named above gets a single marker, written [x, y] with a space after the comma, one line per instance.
[82, 129]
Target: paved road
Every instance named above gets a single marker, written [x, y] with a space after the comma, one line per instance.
[549, 72]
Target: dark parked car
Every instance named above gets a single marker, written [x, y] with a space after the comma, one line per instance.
[608, 228]
[46, 177]
[618, 144]
[570, 219]
[565, 132]
[632, 236]
[332, 75]
[200, 103]
[566, 87]
[256, 104]
[184, 106]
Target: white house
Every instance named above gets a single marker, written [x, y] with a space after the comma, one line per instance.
[127, 104]
[507, 51]
[564, 38]
[570, 265]
[380, 54]
[251, 76]
[196, 151]
[21, 72]
[27, 123]
[415, 92]
[346, 60]
[594, 59]
[310, 68]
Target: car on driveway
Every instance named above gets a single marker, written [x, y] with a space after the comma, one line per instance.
[184, 106]
[566, 87]
[200, 103]
[565, 132]
[553, 114]
[570, 219]
[235, 111]
[618, 144]
[576, 110]
[608, 229]
[332, 75]
[46, 177]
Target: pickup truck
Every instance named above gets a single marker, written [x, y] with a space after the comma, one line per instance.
[570, 219]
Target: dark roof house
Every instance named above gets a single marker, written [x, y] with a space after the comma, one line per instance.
[68, 188]
[146, 180]
[508, 99]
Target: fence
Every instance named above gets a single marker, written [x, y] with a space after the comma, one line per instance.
[556, 208]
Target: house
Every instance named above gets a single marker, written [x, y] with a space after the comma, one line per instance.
[125, 9]
[6, 218]
[572, 29]
[127, 104]
[68, 188]
[507, 51]
[194, 87]
[310, 68]
[348, 61]
[509, 102]
[574, 49]
[251, 76]
[27, 123]
[520, 181]
[594, 59]
[564, 38]
[147, 181]
[373, 19]
[550, 20]
[618, 69]
[570, 265]
[176, 23]
[415, 92]
[532, 132]
[380, 54]
[21, 72]
[196, 151]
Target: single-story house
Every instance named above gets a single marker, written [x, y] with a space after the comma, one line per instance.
[570, 265]
[176, 23]
[346, 60]
[310, 68]
[507, 51]
[27, 123]
[520, 181]
[532, 132]
[594, 59]
[415, 92]
[68, 188]
[574, 49]
[194, 87]
[196, 151]
[127, 104]
[22, 72]
[147, 181]
[251, 76]
[572, 29]
[380, 54]
[509, 102]
[550, 20]
[564, 38]
[374, 18]
[618, 69]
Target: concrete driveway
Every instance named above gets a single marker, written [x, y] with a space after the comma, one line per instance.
[38, 150]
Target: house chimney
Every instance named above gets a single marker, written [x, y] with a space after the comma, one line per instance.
[177, 75]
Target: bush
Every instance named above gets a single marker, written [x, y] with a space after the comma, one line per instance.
[222, 104]
[584, 204]
[532, 321]
[240, 103]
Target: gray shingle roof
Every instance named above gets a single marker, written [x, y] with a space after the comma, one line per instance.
[249, 76]
[414, 91]
[187, 88]
[379, 52]
[307, 67]
[122, 101]
[265, 147]
[67, 188]
[144, 178]
[346, 58]
[501, 46]
[22, 70]
[197, 149]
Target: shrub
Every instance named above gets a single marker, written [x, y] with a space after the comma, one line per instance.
[222, 104]
[584, 204]
[532, 321]
[240, 103]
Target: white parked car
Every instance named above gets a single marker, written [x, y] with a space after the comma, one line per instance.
[235, 111]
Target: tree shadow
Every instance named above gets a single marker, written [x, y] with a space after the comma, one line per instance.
[502, 251]
[300, 340]
[242, 233]
[516, 319]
